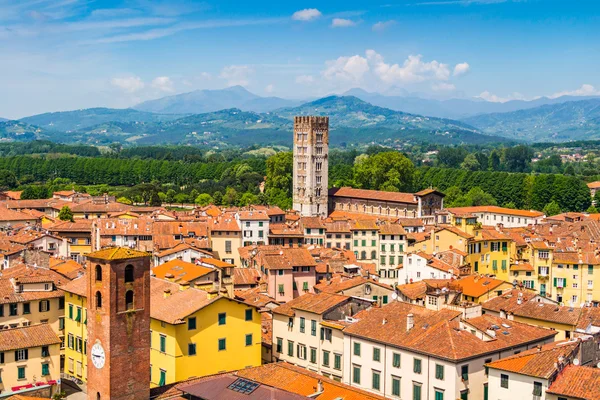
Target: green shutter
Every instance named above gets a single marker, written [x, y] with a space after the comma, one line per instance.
[163, 378]
[395, 387]
[416, 392]
[376, 384]
[45, 370]
[554, 282]
[439, 395]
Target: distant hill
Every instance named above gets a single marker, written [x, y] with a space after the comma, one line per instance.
[203, 101]
[67, 121]
[21, 131]
[453, 108]
[3, 119]
[573, 120]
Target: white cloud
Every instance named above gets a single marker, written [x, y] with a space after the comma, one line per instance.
[342, 23]
[383, 25]
[461, 69]
[346, 69]
[130, 84]
[269, 88]
[236, 75]
[163, 83]
[487, 96]
[443, 87]
[308, 14]
[584, 90]
[413, 70]
[305, 79]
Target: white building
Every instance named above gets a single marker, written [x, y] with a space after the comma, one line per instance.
[255, 226]
[403, 351]
[392, 245]
[418, 266]
[494, 215]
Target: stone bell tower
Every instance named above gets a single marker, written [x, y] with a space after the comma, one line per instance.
[311, 165]
[118, 324]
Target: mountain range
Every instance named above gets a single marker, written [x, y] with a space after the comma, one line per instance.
[235, 116]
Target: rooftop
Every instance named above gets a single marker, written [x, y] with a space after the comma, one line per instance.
[310, 302]
[582, 383]
[117, 253]
[27, 337]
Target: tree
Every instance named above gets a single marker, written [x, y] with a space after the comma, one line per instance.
[193, 194]
[124, 200]
[231, 196]
[248, 199]
[510, 205]
[278, 185]
[65, 214]
[517, 158]
[390, 171]
[8, 180]
[470, 163]
[170, 196]
[592, 210]
[155, 200]
[494, 161]
[204, 199]
[551, 209]
[597, 198]
[451, 157]
[218, 198]
[453, 193]
[181, 198]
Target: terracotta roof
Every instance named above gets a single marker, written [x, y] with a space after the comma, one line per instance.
[521, 266]
[589, 316]
[338, 226]
[27, 337]
[314, 303]
[246, 276]
[437, 263]
[425, 192]
[496, 210]
[255, 297]
[181, 270]
[77, 286]
[282, 229]
[266, 323]
[224, 223]
[179, 304]
[339, 284]
[549, 312]
[255, 215]
[13, 194]
[455, 230]
[287, 258]
[312, 222]
[7, 247]
[413, 291]
[68, 268]
[582, 383]
[364, 224]
[25, 274]
[509, 301]
[180, 247]
[476, 285]
[395, 197]
[594, 185]
[117, 253]
[12, 215]
[412, 222]
[299, 380]
[81, 225]
[538, 362]
[391, 229]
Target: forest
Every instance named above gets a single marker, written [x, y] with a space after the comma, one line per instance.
[469, 175]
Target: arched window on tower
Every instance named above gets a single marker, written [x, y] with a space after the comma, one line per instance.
[98, 299]
[129, 300]
[98, 273]
[129, 273]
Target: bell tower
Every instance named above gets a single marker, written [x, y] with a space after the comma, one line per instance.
[118, 324]
[311, 165]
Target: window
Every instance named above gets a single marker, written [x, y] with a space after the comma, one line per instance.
[504, 381]
[191, 349]
[439, 395]
[228, 246]
[301, 350]
[356, 374]
[313, 355]
[376, 380]
[71, 341]
[439, 372]
[337, 361]
[21, 355]
[26, 308]
[98, 301]
[279, 347]
[302, 324]
[70, 311]
[313, 327]
[464, 372]
[163, 378]
[376, 354]
[281, 291]
[248, 315]
[537, 388]
[12, 309]
[290, 348]
[129, 274]
[396, 360]
[163, 343]
[416, 391]
[357, 349]
[486, 368]
[305, 286]
[325, 358]
[129, 300]
[98, 273]
[222, 344]
[45, 369]
[249, 339]
[21, 373]
[464, 394]
[395, 386]
[44, 305]
[417, 366]
[222, 318]
[191, 323]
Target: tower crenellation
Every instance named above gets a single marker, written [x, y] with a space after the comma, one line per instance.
[311, 165]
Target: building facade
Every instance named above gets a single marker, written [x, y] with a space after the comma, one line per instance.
[311, 148]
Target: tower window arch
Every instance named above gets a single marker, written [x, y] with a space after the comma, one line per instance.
[98, 299]
[98, 273]
[129, 273]
[129, 300]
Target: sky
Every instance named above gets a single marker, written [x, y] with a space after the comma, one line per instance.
[58, 55]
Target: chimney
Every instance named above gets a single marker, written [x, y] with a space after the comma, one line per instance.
[167, 293]
[184, 285]
[170, 277]
[410, 322]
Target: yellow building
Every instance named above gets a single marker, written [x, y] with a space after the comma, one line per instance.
[29, 357]
[575, 278]
[188, 326]
[490, 253]
[226, 238]
[78, 235]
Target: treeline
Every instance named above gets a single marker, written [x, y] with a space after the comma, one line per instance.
[47, 147]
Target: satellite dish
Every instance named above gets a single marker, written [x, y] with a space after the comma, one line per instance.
[598, 365]
[576, 361]
[394, 296]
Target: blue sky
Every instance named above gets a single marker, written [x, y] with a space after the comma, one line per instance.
[68, 54]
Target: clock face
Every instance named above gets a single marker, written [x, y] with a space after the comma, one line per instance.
[98, 356]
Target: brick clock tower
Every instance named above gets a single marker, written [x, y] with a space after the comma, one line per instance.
[311, 165]
[118, 324]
